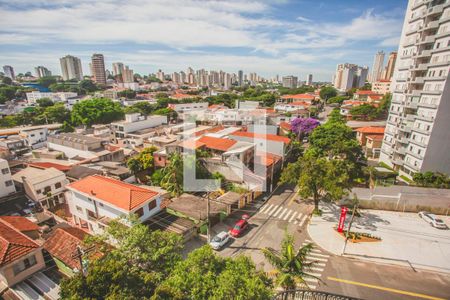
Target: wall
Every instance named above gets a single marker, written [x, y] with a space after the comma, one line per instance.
[7, 272]
[5, 190]
[70, 152]
[263, 145]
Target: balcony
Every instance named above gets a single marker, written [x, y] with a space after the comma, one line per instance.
[427, 105]
[420, 67]
[417, 80]
[425, 118]
[441, 63]
[431, 92]
[423, 53]
[400, 150]
[413, 93]
[410, 118]
[411, 105]
[308, 294]
[405, 128]
[403, 140]
[430, 25]
[427, 40]
[441, 49]
[434, 10]
[414, 154]
[398, 161]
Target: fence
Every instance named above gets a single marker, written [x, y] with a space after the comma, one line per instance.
[310, 295]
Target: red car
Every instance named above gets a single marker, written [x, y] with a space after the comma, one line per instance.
[239, 227]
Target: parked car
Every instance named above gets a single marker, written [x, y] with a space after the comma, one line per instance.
[239, 227]
[433, 220]
[219, 240]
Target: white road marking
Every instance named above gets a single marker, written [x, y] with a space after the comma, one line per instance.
[275, 214]
[312, 280]
[282, 214]
[319, 255]
[269, 212]
[302, 221]
[316, 263]
[287, 215]
[317, 269]
[266, 207]
[315, 274]
[317, 259]
[298, 218]
[293, 216]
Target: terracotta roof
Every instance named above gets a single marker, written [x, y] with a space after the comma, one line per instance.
[191, 144]
[46, 165]
[63, 243]
[285, 125]
[120, 194]
[20, 223]
[375, 137]
[299, 96]
[366, 93]
[375, 97]
[300, 103]
[182, 96]
[13, 244]
[217, 143]
[271, 137]
[371, 130]
[266, 159]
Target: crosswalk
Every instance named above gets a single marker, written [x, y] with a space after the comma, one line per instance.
[283, 213]
[320, 261]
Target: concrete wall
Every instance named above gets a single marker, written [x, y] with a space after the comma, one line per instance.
[7, 272]
[5, 190]
[263, 145]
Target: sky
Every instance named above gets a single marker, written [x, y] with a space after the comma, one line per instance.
[285, 37]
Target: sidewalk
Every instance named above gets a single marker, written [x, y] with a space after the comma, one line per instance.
[407, 240]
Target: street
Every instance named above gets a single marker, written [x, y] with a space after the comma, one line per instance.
[340, 275]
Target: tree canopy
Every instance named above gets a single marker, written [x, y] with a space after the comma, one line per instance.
[327, 92]
[432, 179]
[96, 111]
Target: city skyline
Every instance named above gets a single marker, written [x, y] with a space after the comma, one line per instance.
[260, 37]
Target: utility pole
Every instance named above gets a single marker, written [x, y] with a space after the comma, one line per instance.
[355, 205]
[208, 208]
[78, 254]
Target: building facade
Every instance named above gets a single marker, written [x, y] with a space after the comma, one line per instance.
[389, 70]
[309, 80]
[417, 136]
[6, 184]
[377, 68]
[9, 72]
[290, 81]
[42, 71]
[349, 76]
[98, 68]
[71, 68]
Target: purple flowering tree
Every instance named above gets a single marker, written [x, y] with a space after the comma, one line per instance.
[303, 126]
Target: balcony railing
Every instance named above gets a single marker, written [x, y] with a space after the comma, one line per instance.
[310, 295]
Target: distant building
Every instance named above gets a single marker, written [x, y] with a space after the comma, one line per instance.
[377, 69]
[240, 77]
[290, 81]
[389, 70]
[42, 72]
[117, 68]
[309, 79]
[98, 68]
[6, 184]
[160, 75]
[349, 76]
[71, 68]
[128, 75]
[381, 87]
[9, 72]
[33, 96]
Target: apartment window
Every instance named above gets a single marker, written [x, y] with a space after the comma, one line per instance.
[152, 205]
[101, 204]
[79, 209]
[139, 212]
[38, 191]
[58, 185]
[47, 189]
[24, 264]
[5, 171]
[32, 135]
[9, 183]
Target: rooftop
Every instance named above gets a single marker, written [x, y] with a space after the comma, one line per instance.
[298, 96]
[36, 175]
[120, 194]
[20, 223]
[46, 165]
[371, 130]
[271, 137]
[217, 143]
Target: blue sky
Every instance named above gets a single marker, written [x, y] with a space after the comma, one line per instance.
[268, 37]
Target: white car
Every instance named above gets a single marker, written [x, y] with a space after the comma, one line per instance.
[432, 219]
[220, 240]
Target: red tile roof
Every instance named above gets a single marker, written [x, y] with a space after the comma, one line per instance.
[63, 243]
[300, 103]
[298, 96]
[266, 159]
[13, 244]
[191, 144]
[375, 97]
[20, 223]
[217, 143]
[285, 125]
[366, 93]
[182, 96]
[271, 137]
[46, 165]
[371, 130]
[120, 194]
[375, 137]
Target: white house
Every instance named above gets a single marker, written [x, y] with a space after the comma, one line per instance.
[45, 186]
[34, 138]
[6, 184]
[95, 200]
[135, 122]
[186, 107]
[293, 106]
[268, 143]
[33, 96]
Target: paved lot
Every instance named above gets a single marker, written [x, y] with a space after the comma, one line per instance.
[406, 239]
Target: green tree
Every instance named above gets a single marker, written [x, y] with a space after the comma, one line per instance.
[205, 275]
[45, 102]
[96, 111]
[366, 87]
[364, 112]
[170, 113]
[7, 93]
[336, 117]
[129, 94]
[67, 127]
[87, 86]
[432, 179]
[138, 262]
[291, 266]
[57, 113]
[327, 93]
[46, 81]
[6, 80]
[337, 99]
[172, 175]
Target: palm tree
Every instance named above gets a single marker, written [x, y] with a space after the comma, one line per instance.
[172, 179]
[291, 267]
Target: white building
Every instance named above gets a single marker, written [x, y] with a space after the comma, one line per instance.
[71, 68]
[290, 81]
[42, 71]
[55, 97]
[377, 68]
[187, 107]
[381, 87]
[268, 143]
[134, 122]
[349, 76]
[96, 200]
[417, 135]
[34, 138]
[45, 186]
[6, 184]
[309, 80]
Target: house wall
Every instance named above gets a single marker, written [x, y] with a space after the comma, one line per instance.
[31, 190]
[7, 271]
[69, 151]
[34, 138]
[263, 145]
[5, 178]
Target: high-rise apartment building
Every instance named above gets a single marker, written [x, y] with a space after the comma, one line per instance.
[117, 68]
[160, 75]
[176, 77]
[309, 79]
[71, 68]
[127, 75]
[389, 70]
[417, 135]
[349, 76]
[240, 77]
[98, 68]
[9, 72]
[377, 69]
[290, 81]
[42, 71]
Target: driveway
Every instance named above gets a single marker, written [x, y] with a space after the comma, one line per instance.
[406, 238]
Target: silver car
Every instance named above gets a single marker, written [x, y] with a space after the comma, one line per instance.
[433, 220]
[220, 240]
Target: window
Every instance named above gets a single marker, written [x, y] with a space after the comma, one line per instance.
[152, 205]
[79, 209]
[8, 183]
[47, 189]
[58, 185]
[24, 264]
[99, 203]
[5, 171]
[139, 212]
[38, 191]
